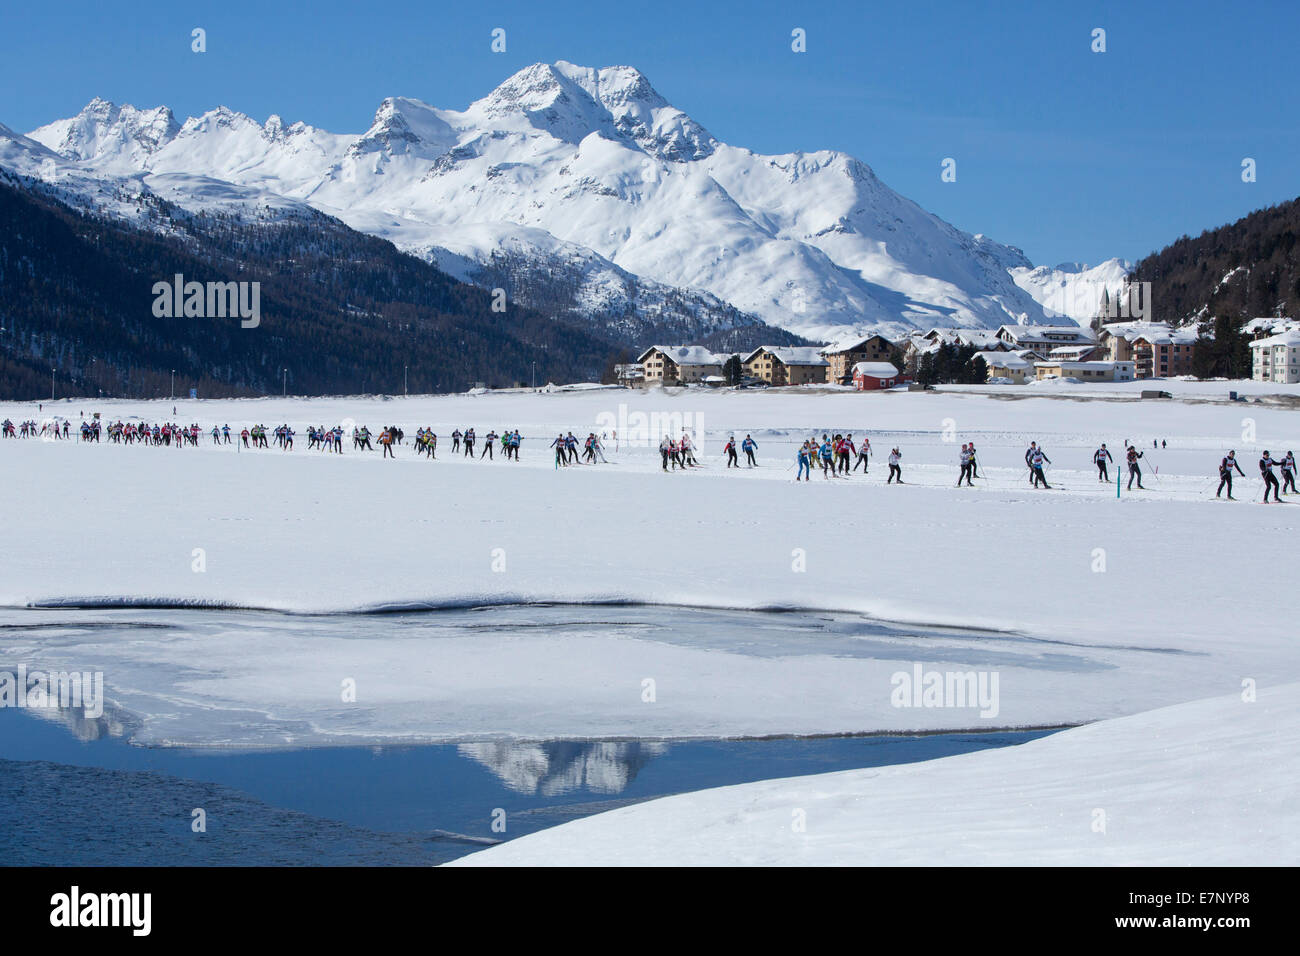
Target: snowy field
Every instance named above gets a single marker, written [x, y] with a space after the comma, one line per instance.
[1096, 607]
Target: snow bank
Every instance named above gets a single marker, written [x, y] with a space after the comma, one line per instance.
[1209, 783]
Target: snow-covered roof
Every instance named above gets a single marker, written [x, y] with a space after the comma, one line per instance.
[1157, 333]
[954, 336]
[1045, 333]
[922, 342]
[1290, 339]
[792, 355]
[1273, 324]
[685, 354]
[848, 345]
[1004, 359]
[1071, 351]
[875, 370]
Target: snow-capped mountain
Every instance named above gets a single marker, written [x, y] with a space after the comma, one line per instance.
[592, 172]
[1074, 290]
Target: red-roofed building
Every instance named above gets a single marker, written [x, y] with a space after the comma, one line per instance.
[870, 376]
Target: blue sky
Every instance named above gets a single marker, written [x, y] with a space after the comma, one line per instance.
[1066, 153]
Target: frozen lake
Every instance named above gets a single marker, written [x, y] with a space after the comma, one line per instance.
[285, 778]
[205, 677]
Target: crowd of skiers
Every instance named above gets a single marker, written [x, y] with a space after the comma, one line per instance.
[834, 454]
[838, 455]
[31, 429]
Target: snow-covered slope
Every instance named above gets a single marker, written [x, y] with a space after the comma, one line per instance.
[594, 171]
[1204, 783]
[1073, 290]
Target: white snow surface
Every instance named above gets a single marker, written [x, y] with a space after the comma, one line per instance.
[592, 167]
[1204, 783]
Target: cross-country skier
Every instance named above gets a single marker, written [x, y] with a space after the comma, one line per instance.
[665, 449]
[974, 462]
[749, 445]
[864, 451]
[1270, 480]
[488, 439]
[827, 454]
[804, 457]
[965, 466]
[895, 469]
[730, 450]
[1036, 461]
[1029, 453]
[686, 451]
[1134, 470]
[561, 455]
[843, 449]
[1228, 463]
[1288, 474]
[455, 441]
[1099, 458]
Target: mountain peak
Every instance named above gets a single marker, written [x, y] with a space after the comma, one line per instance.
[571, 102]
[104, 129]
[405, 126]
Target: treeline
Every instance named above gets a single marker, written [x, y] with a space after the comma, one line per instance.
[951, 365]
[1246, 269]
[1224, 351]
[341, 312]
[745, 338]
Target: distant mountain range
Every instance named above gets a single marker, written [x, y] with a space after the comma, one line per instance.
[340, 312]
[583, 193]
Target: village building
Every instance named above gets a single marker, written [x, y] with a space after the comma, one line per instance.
[1044, 338]
[1085, 371]
[1265, 326]
[842, 356]
[870, 376]
[630, 375]
[1156, 349]
[1076, 353]
[679, 364]
[1016, 366]
[1276, 358]
[787, 365]
[921, 343]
